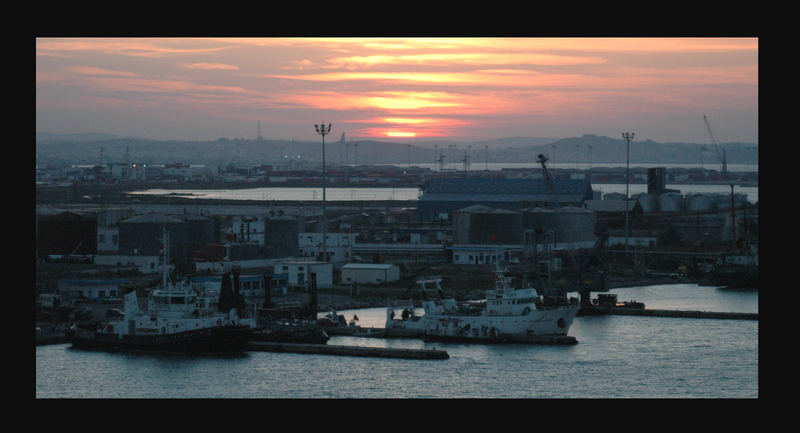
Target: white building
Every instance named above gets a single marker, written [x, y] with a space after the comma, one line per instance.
[479, 254]
[107, 239]
[95, 290]
[298, 274]
[145, 264]
[338, 245]
[365, 273]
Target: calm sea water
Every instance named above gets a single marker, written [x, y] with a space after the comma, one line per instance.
[616, 357]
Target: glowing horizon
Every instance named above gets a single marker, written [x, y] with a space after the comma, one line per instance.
[460, 88]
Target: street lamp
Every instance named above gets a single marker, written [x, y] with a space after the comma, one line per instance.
[627, 136]
[323, 131]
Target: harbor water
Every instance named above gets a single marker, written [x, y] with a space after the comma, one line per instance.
[335, 194]
[616, 357]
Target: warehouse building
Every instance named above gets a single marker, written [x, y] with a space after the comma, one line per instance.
[442, 196]
[366, 273]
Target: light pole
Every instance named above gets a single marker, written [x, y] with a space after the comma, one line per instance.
[627, 136]
[323, 131]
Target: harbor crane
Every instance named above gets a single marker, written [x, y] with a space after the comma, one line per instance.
[548, 180]
[720, 151]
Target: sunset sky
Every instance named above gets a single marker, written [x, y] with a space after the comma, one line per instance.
[399, 88]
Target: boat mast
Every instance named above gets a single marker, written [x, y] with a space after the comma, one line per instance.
[165, 248]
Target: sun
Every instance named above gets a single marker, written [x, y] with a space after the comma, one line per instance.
[400, 134]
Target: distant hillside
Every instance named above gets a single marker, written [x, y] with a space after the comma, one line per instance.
[43, 137]
[86, 149]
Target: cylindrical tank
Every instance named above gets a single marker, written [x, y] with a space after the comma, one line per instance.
[670, 202]
[496, 226]
[575, 224]
[648, 202]
[281, 236]
[701, 203]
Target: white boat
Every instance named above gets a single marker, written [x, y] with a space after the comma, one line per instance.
[178, 319]
[506, 313]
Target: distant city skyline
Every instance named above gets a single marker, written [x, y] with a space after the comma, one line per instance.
[394, 89]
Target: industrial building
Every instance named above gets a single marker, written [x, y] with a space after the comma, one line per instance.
[443, 195]
[366, 273]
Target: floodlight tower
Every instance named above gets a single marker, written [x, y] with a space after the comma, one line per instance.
[628, 137]
[323, 131]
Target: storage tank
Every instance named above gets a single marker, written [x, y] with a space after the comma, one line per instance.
[281, 237]
[538, 218]
[649, 203]
[670, 202]
[702, 203]
[497, 226]
[575, 225]
[143, 235]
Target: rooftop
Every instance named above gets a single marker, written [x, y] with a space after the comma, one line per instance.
[367, 266]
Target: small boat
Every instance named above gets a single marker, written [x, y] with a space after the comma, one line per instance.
[178, 319]
[506, 314]
[332, 320]
[174, 322]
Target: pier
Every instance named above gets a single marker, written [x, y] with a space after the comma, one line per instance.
[410, 333]
[668, 313]
[326, 349]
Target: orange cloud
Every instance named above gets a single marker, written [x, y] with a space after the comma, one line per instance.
[456, 59]
[90, 70]
[146, 47]
[205, 66]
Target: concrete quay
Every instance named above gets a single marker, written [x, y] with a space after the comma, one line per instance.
[410, 333]
[668, 313]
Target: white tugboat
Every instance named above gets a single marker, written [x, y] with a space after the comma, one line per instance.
[178, 319]
[507, 314]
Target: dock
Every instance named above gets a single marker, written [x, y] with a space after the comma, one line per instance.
[669, 313]
[411, 333]
[327, 349]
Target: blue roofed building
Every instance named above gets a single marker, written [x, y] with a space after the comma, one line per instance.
[441, 196]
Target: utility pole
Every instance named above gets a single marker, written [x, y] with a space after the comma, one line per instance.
[323, 131]
[627, 136]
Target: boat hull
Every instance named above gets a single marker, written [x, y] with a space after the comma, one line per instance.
[220, 339]
[553, 322]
